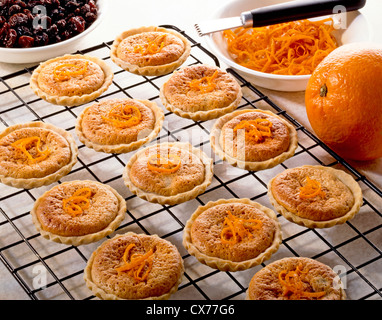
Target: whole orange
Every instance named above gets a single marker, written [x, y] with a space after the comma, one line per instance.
[343, 101]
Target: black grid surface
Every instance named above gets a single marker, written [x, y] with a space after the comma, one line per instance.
[47, 270]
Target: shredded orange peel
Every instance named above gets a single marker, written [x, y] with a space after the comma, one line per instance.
[205, 84]
[137, 263]
[294, 286]
[255, 130]
[78, 202]
[152, 47]
[292, 48]
[164, 164]
[123, 116]
[235, 228]
[64, 72]
[311, 189]
[25, 145]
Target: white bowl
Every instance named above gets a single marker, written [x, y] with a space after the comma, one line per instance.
[357, 30]
[38, 54]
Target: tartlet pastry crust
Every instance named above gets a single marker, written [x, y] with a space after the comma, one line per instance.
[265, 284]
[64, 158]
[96, 134]
[218, 148]
[177, 97]
[106, 212]
[272, 235]
[160, 67]
[311, 218]
[202, 169]
[166, 275]
[76, 91]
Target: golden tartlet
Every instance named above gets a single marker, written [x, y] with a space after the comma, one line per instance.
[34, 154]
[311, 280]
[78, 212]
[253, 139]
[150, 51]
[332, 198]
[119, 125]
[201, 92]
[168, 173]
[71, 80]
[110, 273]
[232, 234]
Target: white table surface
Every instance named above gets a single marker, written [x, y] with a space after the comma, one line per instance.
[125, 14]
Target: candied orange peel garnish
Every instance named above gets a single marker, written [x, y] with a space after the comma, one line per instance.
[152, 47]
[26, 145]
[294, 286]
[164, 164]
[123, 116]
[255, 130]
[235, 228]
[311, 189]
[137, 263]
[78, 202]
[64, 72]
[205, 84]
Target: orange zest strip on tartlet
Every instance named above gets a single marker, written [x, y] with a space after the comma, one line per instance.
[292, 48]
[123, 116]
[159, 163]
[292, 283]
[152, 47]
[234, 227]
[78, 202]
[66, 71]
[137, 263]
[25, 145]
[205, 84]
[311, 189]
[255, 130]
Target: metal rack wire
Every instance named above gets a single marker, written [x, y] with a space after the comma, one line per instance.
[47, 270]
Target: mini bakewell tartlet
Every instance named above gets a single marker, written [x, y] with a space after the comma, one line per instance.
[333, 197]
[277, 142]
[35, 154]
[168, 173]
[232, 234]
[104, 126]
[78, 212]
[150, 51]
[71, 80]
[134, 266]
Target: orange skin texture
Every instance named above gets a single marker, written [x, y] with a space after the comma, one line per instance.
[349, 117]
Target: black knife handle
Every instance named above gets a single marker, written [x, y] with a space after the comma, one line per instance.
[298, 10]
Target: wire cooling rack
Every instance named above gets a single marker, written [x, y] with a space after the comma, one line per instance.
[47, 270]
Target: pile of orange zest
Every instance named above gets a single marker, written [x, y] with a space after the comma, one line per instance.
[311, 189]
[64, 72]
[123, 116]
[234, 227]
[292, 48]
[26, 144]
[137, 263]
[159, 163]
[255, 130]
[152, 47]
[78, 202]
[292, 283]
[205, 84]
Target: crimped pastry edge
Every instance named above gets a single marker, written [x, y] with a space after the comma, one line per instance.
[200, 115]
[100, 293]
[123, 148]
[179, 198]
[346, 178]
[227, 265]
[254, 165]
[31, 183]
[149, 70]
[73, 100]
[86, 239]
